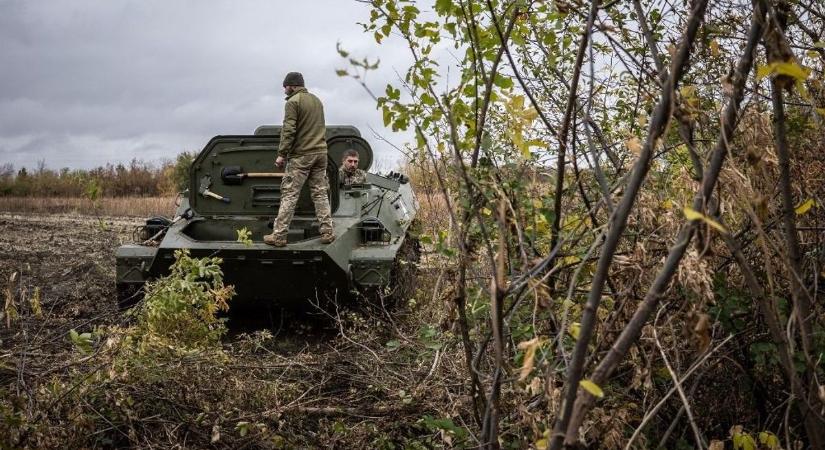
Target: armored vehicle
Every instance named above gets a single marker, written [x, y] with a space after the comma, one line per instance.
[234, 190]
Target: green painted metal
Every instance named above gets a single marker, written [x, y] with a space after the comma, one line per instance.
[359, 257]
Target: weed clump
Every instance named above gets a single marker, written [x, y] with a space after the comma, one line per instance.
[115, 375]
[180, 310]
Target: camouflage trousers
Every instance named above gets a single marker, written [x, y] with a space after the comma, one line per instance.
[300, 169]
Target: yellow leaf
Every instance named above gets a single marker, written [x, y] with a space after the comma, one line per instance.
[537, 203]
[535, 143]
[667, 204]
[530, 114]
[543, 441]
[486, 211]
[634, 145]
[592, 388]
[574, 329]
[793, 69]
[541, 224]
[744, 441]
[687, 92]
[805, 206]
[570, 260]
[525, 151]
[788, 68]
[764, 71]
[769, 440]
[529, 348]
[692, 214]
[518, 103]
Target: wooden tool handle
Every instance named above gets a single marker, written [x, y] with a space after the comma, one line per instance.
[208, 193]
[265, 174]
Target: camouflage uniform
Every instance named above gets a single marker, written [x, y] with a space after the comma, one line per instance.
[312, 168]
[303, 142]
[357, 176]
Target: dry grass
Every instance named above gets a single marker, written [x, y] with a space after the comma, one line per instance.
[433, 213]
[114, 206]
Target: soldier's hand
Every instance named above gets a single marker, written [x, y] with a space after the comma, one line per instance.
[280, 161]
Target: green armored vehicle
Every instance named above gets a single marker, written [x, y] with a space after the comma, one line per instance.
[234, 186]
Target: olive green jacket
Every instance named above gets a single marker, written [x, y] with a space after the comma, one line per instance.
[304, 131]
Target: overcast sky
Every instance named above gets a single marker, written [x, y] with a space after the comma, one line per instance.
[87, 82]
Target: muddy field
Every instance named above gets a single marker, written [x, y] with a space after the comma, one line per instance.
[69, 260]
[342, 377]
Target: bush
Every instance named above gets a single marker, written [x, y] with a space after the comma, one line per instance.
[180, 310]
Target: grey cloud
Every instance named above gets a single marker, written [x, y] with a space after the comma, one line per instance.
[85, 82]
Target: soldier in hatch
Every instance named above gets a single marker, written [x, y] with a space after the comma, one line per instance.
[349, 173]
[303, 149]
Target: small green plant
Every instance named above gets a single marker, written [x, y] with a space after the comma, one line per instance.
[181, 309]
[244, 236]
[81, 341]
[93, 191]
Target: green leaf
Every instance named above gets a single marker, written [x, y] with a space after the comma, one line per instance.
[82, 341]
[341, 72]
[392, 93]
[341, 51]
[592, 388]
[442, 7]
[444, 424]
[503, 82]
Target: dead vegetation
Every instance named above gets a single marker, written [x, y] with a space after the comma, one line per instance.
[75, 372]
[107, 206]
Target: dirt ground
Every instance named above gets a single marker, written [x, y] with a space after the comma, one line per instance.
[360, 378]
[69, 260]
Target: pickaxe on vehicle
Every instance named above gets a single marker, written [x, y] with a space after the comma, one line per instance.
[233, 175]
[203, 189]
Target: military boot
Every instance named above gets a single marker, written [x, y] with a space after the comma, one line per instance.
[326, 238]
[277, 241]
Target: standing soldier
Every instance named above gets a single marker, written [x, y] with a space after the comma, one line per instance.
[303, 148]
[349, 173]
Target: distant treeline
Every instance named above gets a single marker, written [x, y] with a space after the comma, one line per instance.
[137, 178]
